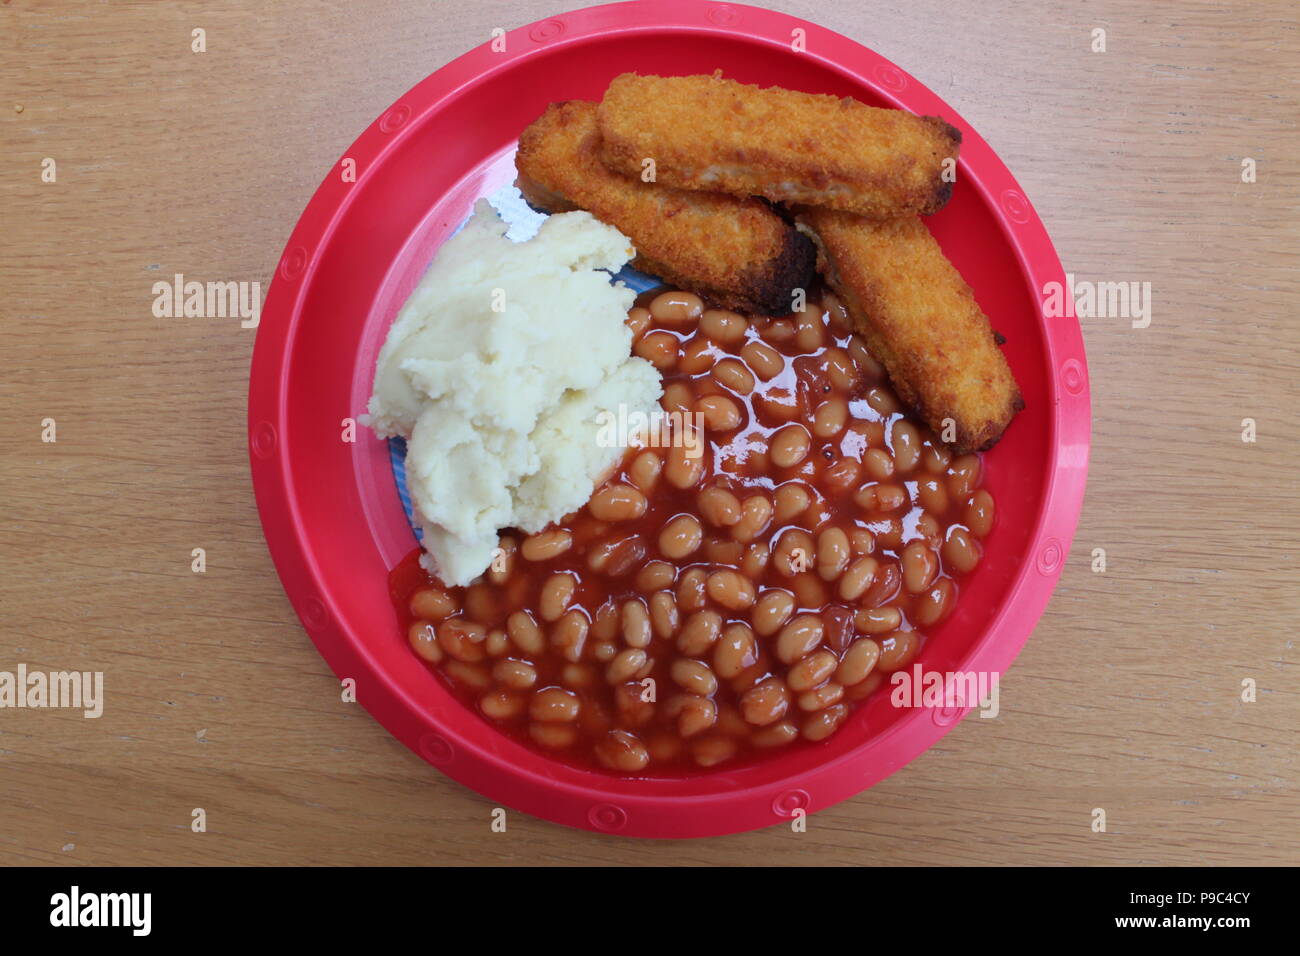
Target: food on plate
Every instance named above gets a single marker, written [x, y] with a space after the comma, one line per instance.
[920, 319]
[695, 596]
[711, 133]
[700, 611]
[497, 370]
[738, 252]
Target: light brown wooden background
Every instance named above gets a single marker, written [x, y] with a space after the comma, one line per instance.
[1127, 696]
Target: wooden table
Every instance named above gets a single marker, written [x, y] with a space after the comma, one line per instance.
[1127, 698]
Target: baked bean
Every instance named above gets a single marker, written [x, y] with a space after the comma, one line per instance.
[725, 328]
[920, 566]
[824, 696]
[603, 652]
[432, 604]
[888, 532]
[792, 499]
[878, 620]
[775, 735]
[553, 736]
[888, 579]
[481, 603]
[424, 641]
[713, 750]
[625, 665]
[882, 499]
[755, 516]
[684, 470]
[680, 537]
[830, 418]
[693, 677]
[635, 621]
[719, 507]
[501, 704]
[932, 606]
[790, 445]
[677, 397]
[809, 590]
[472, 676]
[556, 595]
[879, 464]
[719, 551]
[634, 707]
[897, 651]
[554, 705]
[546, 545]
[936, 458]
[525, 632]
[720, 412]
[617, 503]
[808, 329]
[840, 370]
[932, 495]
[961, 551]
[515, 674]
[733, 374]
[799, 637]
[664, 747]
[841, 475]
[676, 307]
[979, 513]
[731, 589]
[664, 618]
[638, 320]
[496, 643]
[621, 750]
[864, 360]
[766, 361]
[734, 651]
[811, 671]
[839, 627]
[765, 703]
[772, 609]
[857, 662]
[660, 349]
[837, 316]
[690, 590]
[606, 622]
[755, 561]
[861, 541]
[616, 556]
[655, 576]
[906, 443]
[824, 722]
[777, 405]
[832, 553]
[794, 552]
[857, 578]
[462, 639]
[965, 476]
[882, 401]
[696, 357]
[569, 635]
[778, 331]
[699, 633]
[645, 470]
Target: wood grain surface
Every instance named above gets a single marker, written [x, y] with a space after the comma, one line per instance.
[1127, 697]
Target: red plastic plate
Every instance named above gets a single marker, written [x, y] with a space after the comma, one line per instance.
[332, 517]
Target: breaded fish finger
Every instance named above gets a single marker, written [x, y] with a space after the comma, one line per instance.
[920, 319]
[739, 253]
[706, 132]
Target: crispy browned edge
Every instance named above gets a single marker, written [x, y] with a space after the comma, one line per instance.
[764, 289]
[622, 157]
[901, 375]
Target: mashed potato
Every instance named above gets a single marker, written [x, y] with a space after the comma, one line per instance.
[496, 369]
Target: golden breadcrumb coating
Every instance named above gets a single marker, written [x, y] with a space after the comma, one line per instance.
[738, 253]
[919, 318]
[706, 132]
